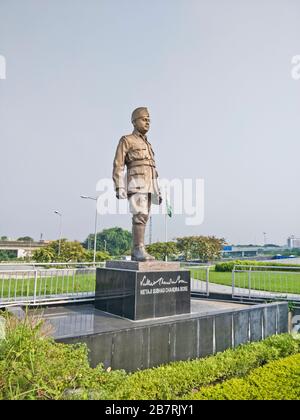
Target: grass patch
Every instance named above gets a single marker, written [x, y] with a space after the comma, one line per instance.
[18, 285]
[269, 281]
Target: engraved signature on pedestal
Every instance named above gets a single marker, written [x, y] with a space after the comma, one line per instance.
[145, 282]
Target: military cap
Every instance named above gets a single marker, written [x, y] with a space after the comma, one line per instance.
[139, 113]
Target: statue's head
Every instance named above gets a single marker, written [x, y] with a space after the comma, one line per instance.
[141, 120]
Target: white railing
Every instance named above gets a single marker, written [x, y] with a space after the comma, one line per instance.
[199, 278]
[47, 283]
[54, 283]
[273, 282]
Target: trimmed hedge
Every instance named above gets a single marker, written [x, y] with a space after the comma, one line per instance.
[226, 267]
[279, 380]
[33, 366]
[174, 380]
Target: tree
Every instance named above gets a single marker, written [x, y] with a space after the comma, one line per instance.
[4, 238]
[185, 245]
[116, 241]
[100, 256]
[69, 252]
[25, 239]
[161, 250]
[7, 255]
[206, 248]
[271, 246]
[44, 255]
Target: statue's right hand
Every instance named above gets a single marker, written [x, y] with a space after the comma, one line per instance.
[121, 194]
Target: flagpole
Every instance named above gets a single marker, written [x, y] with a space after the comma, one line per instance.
[166, 233]
[166, 223]
[166, 218]
[166, 228]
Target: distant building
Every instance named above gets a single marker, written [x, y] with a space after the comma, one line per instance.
[22, 249]
[293, 242]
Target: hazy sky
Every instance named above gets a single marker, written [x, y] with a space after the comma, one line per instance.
[216, 76]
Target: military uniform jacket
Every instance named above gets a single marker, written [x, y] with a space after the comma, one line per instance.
[136, 153]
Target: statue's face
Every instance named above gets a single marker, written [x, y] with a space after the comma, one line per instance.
[142, 125]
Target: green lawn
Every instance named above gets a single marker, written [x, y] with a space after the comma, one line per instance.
[85, 282]
[270, 281]
[18, 286]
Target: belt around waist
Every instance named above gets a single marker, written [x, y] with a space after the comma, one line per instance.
[141, 163]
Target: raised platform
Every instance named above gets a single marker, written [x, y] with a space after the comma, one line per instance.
[143, 294]
[123, 344]
[143, 266]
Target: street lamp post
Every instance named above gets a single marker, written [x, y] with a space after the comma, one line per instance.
[60, 231]
[96, 223]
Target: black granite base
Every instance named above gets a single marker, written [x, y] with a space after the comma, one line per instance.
[139, 295]
[123, 344]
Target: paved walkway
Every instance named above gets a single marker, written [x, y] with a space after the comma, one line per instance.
[78, 320]
[239, 292]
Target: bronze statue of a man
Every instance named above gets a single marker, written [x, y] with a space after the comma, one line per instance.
[140, 184]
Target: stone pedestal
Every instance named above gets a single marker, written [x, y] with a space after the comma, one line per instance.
[144, 266]
[143, 290]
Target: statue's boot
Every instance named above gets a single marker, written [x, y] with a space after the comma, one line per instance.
[139, 252]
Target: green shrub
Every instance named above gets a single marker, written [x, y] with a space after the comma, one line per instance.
[226, 267]
[33, 366]
[176, 379]
[279, 380]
